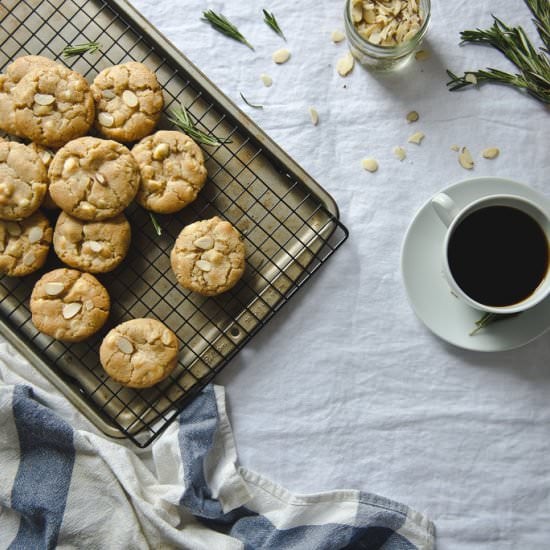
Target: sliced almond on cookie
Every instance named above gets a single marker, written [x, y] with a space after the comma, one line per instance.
[203, 265]
[54, 288]
[44, 99]
[105, 119]
[72, 309]
[35, 234]
[124, 345]
[204, 243]
[130, 98]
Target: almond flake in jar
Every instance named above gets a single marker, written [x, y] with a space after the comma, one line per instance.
[384, 34]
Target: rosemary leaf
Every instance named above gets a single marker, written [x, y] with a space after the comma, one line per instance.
[489, 318]
[180, 117]
[156, 225]
[270, 21]
[533, 64]
[79, 49]
[223, 25]
[251, 104]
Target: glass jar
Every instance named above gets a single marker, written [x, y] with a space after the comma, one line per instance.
[384, 58]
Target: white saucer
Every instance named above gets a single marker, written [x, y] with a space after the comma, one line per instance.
[429, 293]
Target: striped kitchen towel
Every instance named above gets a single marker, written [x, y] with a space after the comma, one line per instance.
[67, 488]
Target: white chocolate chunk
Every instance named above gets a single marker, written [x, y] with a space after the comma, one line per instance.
[203, 265]
[400, 153]
[54, 288]
[370, 164]
[95, 246]
[124, 345]
[337, 36]
[281, 56]
[416, 138]
[70, 310]
[161, 151]
[44, 99]
[266, 79]
[345, 64]
[35, 234]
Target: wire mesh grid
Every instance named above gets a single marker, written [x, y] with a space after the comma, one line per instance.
[289, 230]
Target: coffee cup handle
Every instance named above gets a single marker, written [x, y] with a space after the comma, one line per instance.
[445, 208]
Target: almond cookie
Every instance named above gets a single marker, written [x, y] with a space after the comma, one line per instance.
[208, 257]
[172, 171]
[46, 156]
[23, 181]
[128, 101]
[95, 247]
[24, 245]
[139, 353]
[53, 105]
[14, 73]
[93, 179]
[69, 305]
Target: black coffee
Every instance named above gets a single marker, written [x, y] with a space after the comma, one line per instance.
[498, 255]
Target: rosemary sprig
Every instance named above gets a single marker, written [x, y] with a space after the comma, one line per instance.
[223, 25]
[180, 117]
[533, 65]
[251, 104]
[79, 49]
[489, 318]
[156, 225]
[270, 21]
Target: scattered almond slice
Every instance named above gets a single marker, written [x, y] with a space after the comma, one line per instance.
[44, 99]
[314, 115]
[416, 138]
[29, 258]
[455, 148]
[422, 55]
[266, 79]
[281, 56]
[337, 36]
[400, 153]
[412, 116]
[345, 64]
[471, 78]
[166, 338]
[490, 153]
[370, 164]
[465, 159]
[72, 309]
[130, 98]
[100, 178]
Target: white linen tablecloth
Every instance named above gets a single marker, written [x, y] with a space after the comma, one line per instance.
[346, 387]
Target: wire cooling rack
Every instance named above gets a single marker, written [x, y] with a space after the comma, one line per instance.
[289, 222]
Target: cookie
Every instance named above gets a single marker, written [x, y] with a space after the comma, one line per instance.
[95, 247]
[172, 171]
[53, 105]
[23, 181]
[46, 156]
[69, 305]
[24, 245]
[208, 257]
[129, 101]
[14, 73]
[93, 179]
[139, 353]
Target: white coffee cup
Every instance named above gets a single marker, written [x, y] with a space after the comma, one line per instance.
[452, 216]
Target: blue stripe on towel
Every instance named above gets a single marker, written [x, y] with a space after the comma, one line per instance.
[197, 426]
[42, 482]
